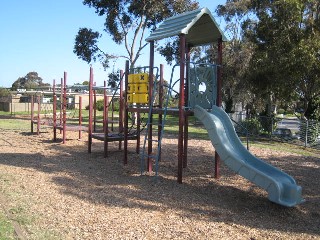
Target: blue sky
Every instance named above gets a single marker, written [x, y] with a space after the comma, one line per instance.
[38, 35]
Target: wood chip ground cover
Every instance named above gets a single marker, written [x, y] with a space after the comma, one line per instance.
[62, 192]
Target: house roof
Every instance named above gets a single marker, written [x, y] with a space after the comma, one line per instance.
[199, 26]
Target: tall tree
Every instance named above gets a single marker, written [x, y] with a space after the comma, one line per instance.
[31, 81]
[127, 22]
[286, 40]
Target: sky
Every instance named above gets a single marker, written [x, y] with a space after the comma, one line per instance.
[38, 35]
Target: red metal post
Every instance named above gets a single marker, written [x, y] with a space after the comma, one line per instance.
[32, 112]
[151, 64]
[121, 108]
[94, 110]
[104, 104]
[160, 105]
[90, 111]
[125, 129]
[181, 107]
[54, 112]
[38, 116]
[186, 122]
[64, 120]
[105, 128]
[61, 103]
[80, 117]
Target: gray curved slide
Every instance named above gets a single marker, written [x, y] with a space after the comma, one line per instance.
[281, 187]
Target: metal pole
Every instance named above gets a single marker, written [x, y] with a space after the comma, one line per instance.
[181, 107]
[151, 64]
[90, 111]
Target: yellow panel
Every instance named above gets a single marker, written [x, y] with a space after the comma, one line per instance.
[142, 88]
[130, 98]
[142, 78]
[143, 98]
[131, 88]
[131, 78]
[136, 98]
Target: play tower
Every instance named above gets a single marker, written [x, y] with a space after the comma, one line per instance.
[199, 84]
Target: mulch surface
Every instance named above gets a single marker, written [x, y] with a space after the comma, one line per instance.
[71, 194]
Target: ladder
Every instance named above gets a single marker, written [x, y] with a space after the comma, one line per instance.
[156, 154]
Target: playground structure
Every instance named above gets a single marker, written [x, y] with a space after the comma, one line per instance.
[108, 134]
[196, 28]
[199, 95]
[60, 113]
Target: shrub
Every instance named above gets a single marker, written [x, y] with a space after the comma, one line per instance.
[253, 126]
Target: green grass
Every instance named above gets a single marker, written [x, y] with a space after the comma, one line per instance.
[15, 124]
[6, 228]
[286, 147]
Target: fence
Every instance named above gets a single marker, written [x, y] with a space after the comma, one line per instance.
[292, 130]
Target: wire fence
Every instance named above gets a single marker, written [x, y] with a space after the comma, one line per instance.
[291, 130]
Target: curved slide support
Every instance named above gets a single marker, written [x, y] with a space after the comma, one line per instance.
[281, 187]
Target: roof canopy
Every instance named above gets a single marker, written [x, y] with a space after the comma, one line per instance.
[199, 26]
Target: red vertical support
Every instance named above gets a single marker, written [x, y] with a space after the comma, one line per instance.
[121, 108]
[160, 106]
[181, 107]
[104, 104]
[151, 64]
[80, 117]
[54, 117]
[64, 120]
[219, 102]
[90, 111]
[38, 116]
[186, 122]
[61, 104]
[105, 128]
[32, 112]
[94, 110]
[54, 111]
[125, 129]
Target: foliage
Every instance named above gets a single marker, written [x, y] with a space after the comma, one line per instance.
[252, 126]
[99, 105]
[4, 92]
[114, 79]
[285, 39]
[309, 131]
[31, 81]
[125, 20]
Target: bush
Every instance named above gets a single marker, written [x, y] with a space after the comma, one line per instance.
[253, 126]
[280, 111]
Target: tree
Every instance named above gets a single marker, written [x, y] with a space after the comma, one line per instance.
[31, 81]
[127, 22]
[286, 45]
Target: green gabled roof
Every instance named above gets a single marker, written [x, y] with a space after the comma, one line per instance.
[199, 26]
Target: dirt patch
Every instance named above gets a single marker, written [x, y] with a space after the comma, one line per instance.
[66, 193]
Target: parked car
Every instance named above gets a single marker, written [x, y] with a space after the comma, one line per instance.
[284, 133]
